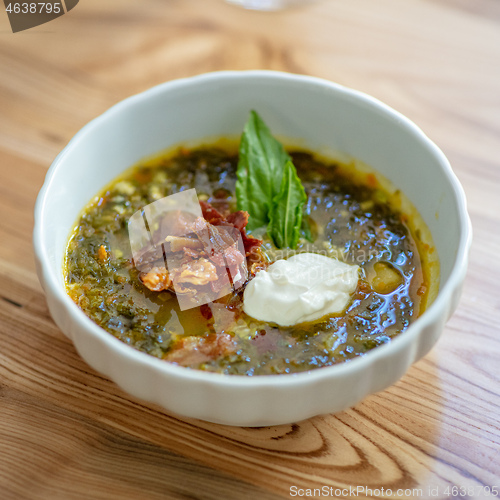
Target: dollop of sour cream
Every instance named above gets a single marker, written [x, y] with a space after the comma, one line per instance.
[302, 288]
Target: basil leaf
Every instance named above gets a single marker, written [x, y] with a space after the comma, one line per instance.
[268, 187]
[260, 170]
[285, 217]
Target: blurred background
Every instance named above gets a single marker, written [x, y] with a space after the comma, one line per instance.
[67, 432]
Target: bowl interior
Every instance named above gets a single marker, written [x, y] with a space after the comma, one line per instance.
[319, 113]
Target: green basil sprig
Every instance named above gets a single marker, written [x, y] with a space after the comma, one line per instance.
[285, 217]
[268, 187]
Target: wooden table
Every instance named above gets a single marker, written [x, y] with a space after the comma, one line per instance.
[68, 433]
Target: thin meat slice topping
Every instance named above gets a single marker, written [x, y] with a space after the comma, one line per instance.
[204, 256]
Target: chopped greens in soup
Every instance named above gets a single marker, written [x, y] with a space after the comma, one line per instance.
[324, 208]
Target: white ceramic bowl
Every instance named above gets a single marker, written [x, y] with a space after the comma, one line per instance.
[319, 112]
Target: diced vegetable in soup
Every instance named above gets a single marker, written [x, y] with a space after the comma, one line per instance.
[284, 321]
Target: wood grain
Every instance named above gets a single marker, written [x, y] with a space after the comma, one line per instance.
[67, 432]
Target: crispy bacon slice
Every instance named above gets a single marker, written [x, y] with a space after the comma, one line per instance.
[191, 351]
[157, 279]
[196, 272]
[203, 249]
[256, 261]
[178, 243]
[211, 214]
[237, 219]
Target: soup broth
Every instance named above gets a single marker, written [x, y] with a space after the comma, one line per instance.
[351, 218]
